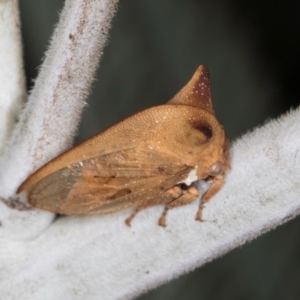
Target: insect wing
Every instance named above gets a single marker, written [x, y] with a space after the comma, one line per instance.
[109, 183]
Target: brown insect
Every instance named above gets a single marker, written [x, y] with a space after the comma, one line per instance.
[147, 159]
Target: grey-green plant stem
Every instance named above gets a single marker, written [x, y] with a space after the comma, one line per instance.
[12, 92]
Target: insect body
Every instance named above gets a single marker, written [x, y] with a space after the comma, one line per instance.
[142, 161]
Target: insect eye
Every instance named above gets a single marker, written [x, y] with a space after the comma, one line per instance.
[216, 169]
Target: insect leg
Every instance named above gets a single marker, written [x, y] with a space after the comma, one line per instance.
[214, 188]
[190, 195]
[135, 212]
[169, 195]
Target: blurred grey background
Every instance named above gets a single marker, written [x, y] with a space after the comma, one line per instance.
[252, 51]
